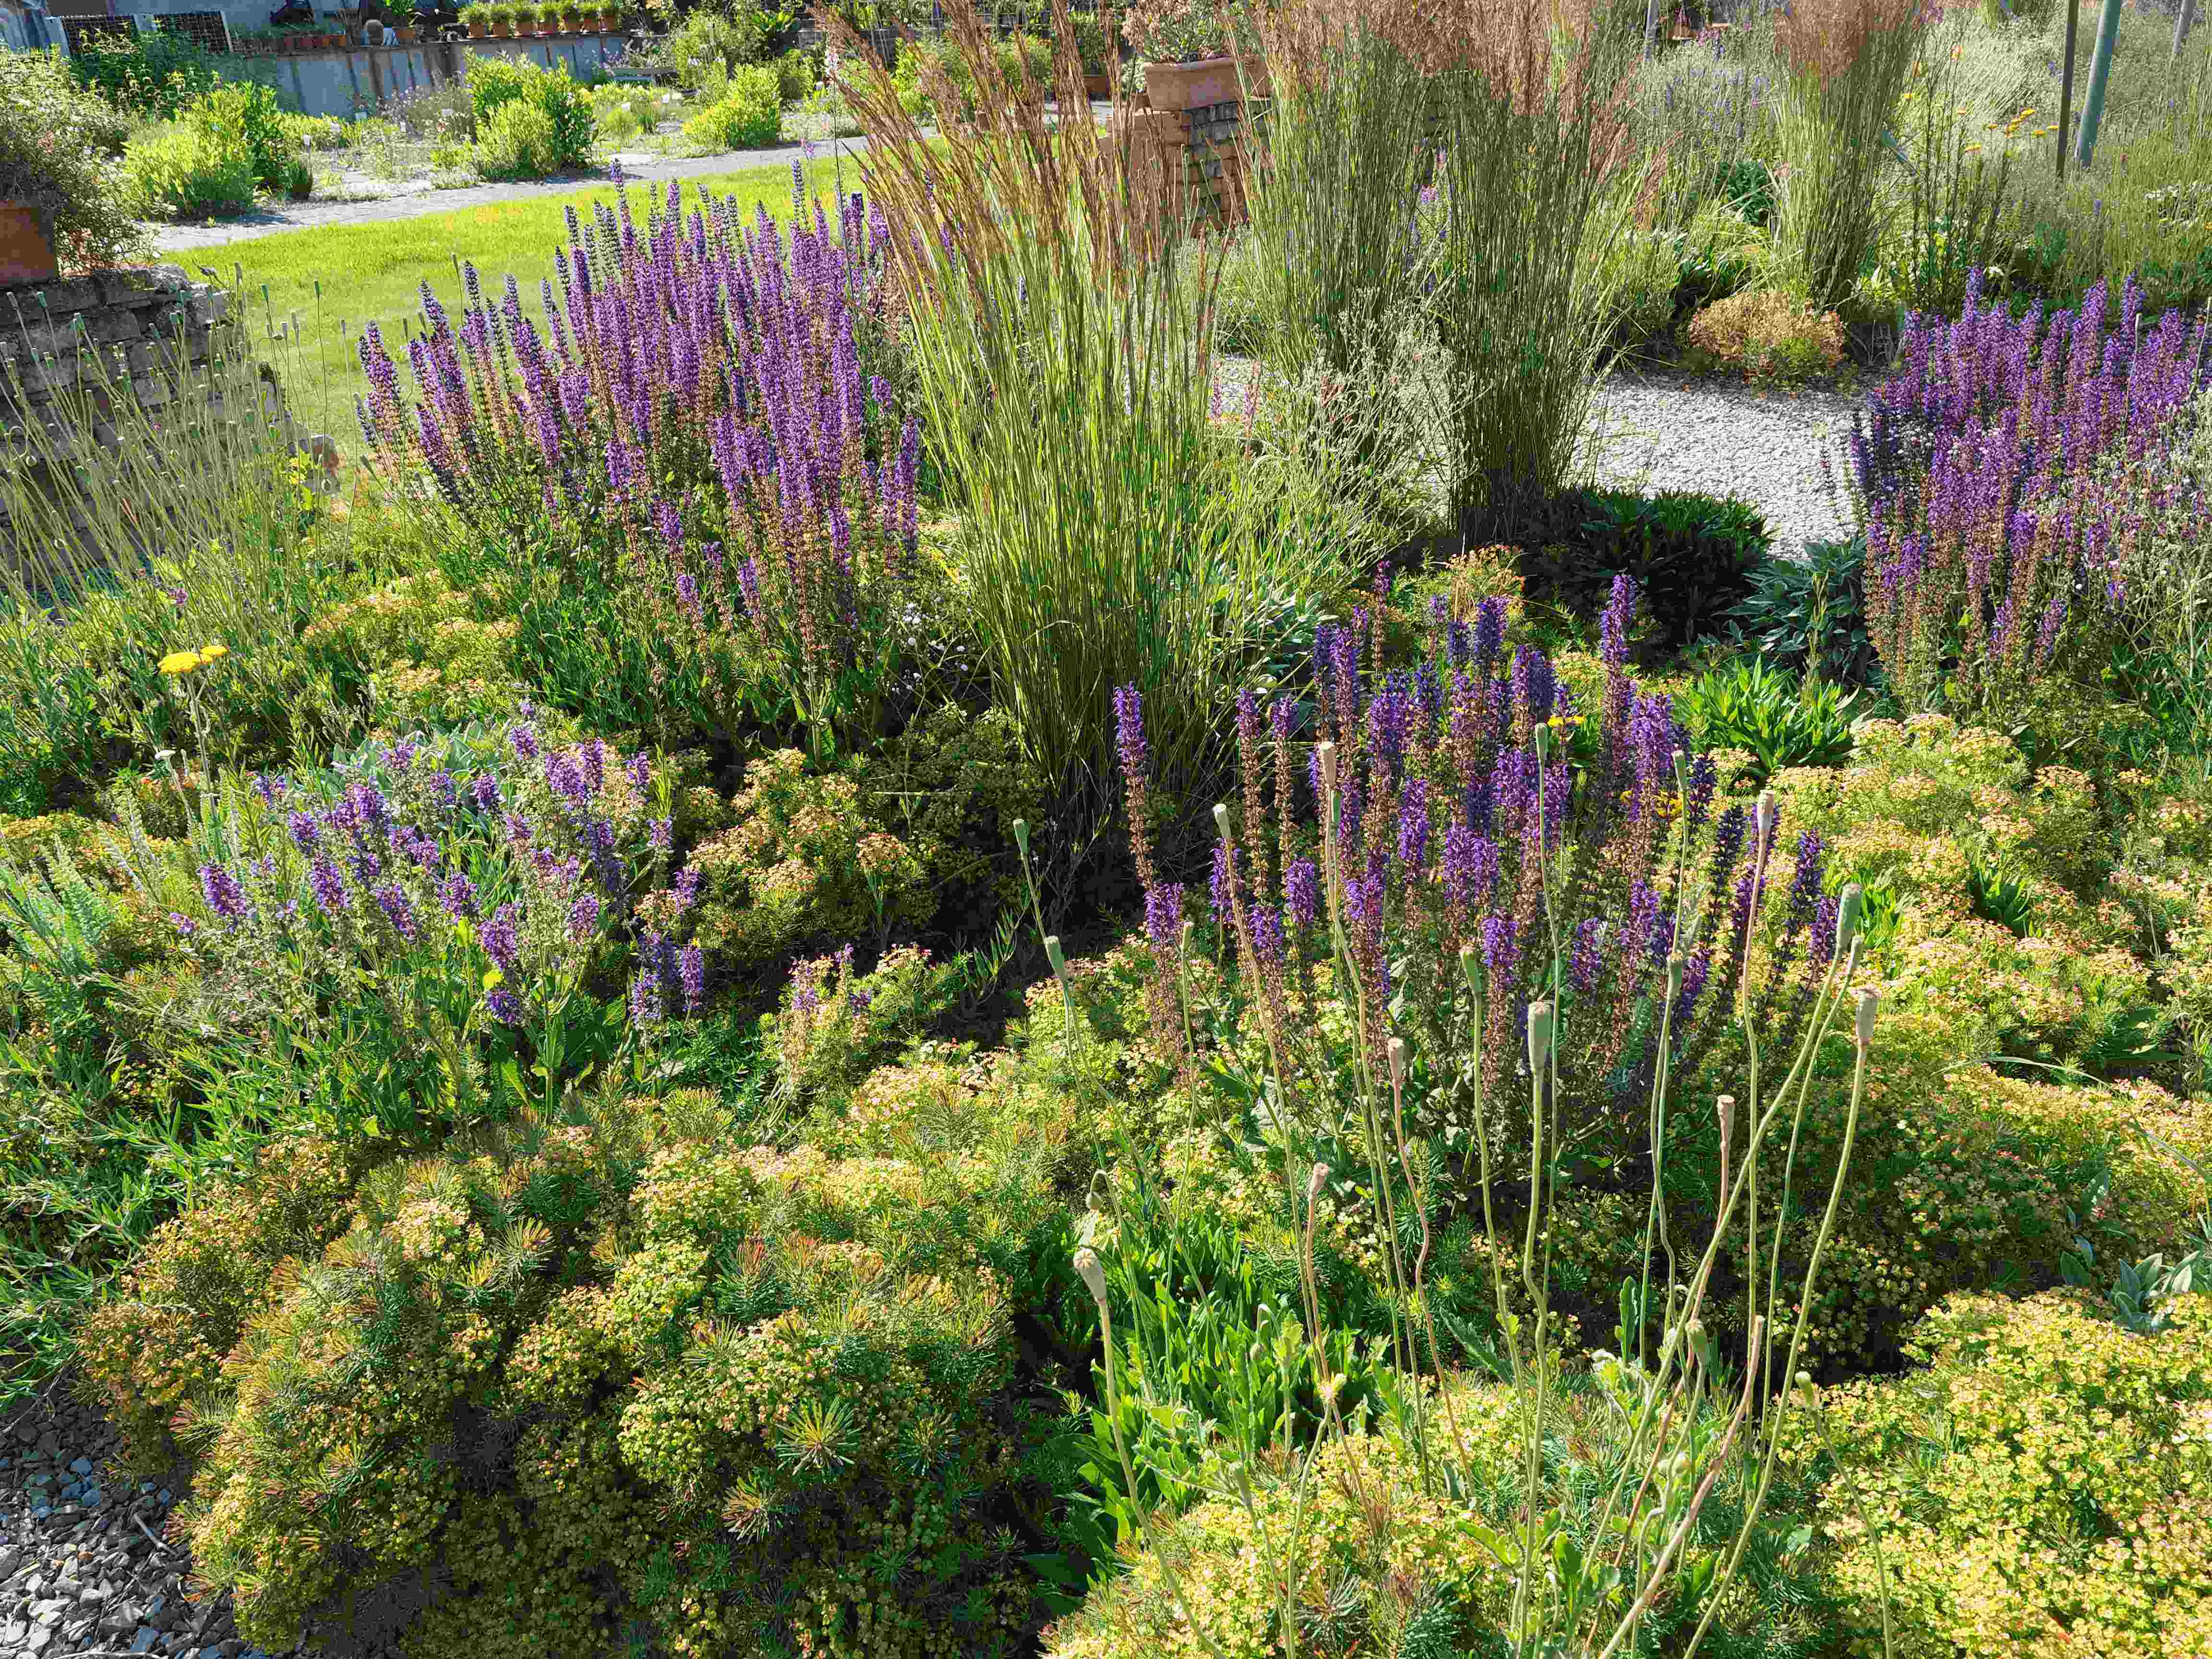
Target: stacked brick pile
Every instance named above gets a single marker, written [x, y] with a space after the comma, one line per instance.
[1192, 133]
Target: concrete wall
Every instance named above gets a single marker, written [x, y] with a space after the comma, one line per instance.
[341, 83]
[354, 79]
[360, 78]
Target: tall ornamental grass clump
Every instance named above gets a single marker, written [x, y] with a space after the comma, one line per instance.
[705, 406]
[1531, 140]
[1843, 65]
[1486, 937]
[1343, 151]
[1060, 322]
[2001, 470]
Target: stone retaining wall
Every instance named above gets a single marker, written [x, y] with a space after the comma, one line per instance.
[71, 352]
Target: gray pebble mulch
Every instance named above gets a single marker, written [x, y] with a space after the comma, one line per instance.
[87, 1569]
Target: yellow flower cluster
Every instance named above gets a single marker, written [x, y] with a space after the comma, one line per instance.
[186, 662]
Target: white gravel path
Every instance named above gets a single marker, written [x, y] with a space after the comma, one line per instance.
[1655, 432]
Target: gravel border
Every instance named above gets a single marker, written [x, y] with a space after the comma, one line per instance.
[1648, 430]
[1786, 453]
[86, 1568]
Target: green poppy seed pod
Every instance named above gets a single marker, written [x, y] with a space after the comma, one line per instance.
[1316, 1182]
[1221, 819]
[1052, 953]
[1022, 835]
[1847, 917]
[1543, 735]
[1093, 1275]
[1725, 1108]
[1674, 974]
[1763, 815]
[1869, 999]
[1396, 1050]
[1327, 754]
[1539, 1036]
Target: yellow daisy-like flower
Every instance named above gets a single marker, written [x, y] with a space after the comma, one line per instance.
[181, 662]
[492, 979]
[211, 653]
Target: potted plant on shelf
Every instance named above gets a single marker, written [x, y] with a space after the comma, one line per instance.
[1182, 46]
[61, 193]
[567, 19]
[1097, 54]
[402, 20]
[474, 19]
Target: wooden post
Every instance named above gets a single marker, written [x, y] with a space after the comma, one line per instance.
[2181, 26]
[2100, 75]
[2066, 85]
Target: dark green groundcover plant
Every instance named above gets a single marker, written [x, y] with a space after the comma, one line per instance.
[1691, 555]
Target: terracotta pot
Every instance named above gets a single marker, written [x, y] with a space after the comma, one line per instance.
[476, 29]
[333, 43]
[406, 36]
[1196, 86]
[1096, 87]
[26, 255]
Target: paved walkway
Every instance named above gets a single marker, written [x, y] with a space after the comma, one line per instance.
[413, 201]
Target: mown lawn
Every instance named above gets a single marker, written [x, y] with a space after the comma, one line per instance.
[312, 292]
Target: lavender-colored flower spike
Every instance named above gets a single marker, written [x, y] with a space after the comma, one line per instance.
[1129, 731]
[223, 894]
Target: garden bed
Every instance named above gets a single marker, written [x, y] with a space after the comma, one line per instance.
[962, 919]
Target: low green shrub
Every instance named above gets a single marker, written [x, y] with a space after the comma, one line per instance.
[416, 652]
[1690, 555]
[804, 863]
[225, 145]
[797, 73]
[560, 144]
[1765, 335]
[2037, 1489]
[182, 171]
[517, 141]
[748, 115]
[614, 1364]
[58, 149]
[622, 110]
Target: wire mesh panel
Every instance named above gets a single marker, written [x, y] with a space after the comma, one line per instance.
[207, 28]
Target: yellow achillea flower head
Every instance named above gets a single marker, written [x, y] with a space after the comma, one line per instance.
[181, 662]
[492, 979]
[209, 653]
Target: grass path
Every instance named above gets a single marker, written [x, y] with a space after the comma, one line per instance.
[311, 293]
